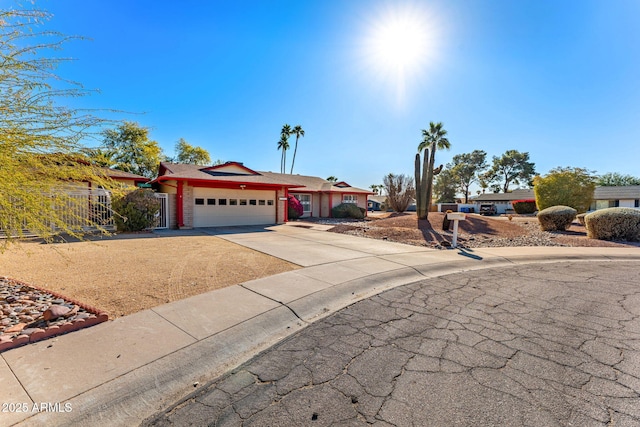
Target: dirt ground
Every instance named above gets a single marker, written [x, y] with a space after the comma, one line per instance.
[128, 273]
[474, 232]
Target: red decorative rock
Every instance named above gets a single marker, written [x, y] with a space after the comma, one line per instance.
[23, 319]
[15, 328]
[55, 311]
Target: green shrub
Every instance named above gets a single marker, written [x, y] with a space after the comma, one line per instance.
[524, 207]
[556, 218]
[347, 210]
[565, 187]
[580, 218]
[136, 211]
[614, 224]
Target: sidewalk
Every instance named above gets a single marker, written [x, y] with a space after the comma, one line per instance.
[120, 372]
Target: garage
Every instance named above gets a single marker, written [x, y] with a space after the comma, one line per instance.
[217, 207]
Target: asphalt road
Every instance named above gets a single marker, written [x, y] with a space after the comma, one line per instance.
[533, 345]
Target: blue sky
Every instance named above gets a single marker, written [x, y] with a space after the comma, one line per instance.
[557, 79]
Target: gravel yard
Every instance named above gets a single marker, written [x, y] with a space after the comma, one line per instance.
[475, 232]
[127, 273]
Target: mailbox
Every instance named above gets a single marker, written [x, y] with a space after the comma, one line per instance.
[456, 216]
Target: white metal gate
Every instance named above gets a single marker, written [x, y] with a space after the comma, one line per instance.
[163, 215]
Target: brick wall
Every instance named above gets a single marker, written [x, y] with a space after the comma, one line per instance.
[187, 206]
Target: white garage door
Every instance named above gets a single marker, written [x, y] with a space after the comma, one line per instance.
[215, 207]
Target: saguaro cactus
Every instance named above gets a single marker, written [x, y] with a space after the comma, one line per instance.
[424, 184]
[421, 178]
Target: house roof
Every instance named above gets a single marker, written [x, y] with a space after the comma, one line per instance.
[232, 172]
[115, 174]
[617, 193]
[521, 193]
[378, 199]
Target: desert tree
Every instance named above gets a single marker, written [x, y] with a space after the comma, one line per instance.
[445, 187]
[615, 179]
[132, 149]
[467, 168]
[42, 140]
[566, 186]
[399, 190]
[513, 167]
[187, 153]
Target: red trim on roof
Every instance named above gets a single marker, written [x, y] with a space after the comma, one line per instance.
[238, 164]
[212, 183]
[341, 184]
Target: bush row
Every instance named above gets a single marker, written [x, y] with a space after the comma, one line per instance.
[603, 224]
[347, 210]
[525, 206]
[614, 224]
[556, 218]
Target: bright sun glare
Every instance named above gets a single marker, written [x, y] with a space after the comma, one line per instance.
[399, 45]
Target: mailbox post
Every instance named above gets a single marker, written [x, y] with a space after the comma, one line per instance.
[455, 217]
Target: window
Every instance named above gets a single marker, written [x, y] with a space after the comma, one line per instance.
[349, 198]
[199, 201]
[269, 202]
[636, 204]
[211, 201]
[261, 202]
[233, 202]
[252, 202]
[243, 202]
[614, 203]
[222, 202]
[305, 201]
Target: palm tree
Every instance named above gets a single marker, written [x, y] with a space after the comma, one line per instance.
[332, 179]
[283, 145]
[377, 189]
[298, 132]
[433, 139]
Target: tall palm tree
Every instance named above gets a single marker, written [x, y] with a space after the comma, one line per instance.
[298, 132]
[283, 145]
[433, 139]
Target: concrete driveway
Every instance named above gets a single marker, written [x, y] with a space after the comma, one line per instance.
[543, 345]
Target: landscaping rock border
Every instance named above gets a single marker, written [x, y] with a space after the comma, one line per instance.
[29, 314]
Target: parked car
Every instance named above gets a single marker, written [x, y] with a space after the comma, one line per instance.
[488, 209]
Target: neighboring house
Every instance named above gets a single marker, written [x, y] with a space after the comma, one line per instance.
[126, 177]
[232, 194]
[603, 197]
[375, 203]
[502, 201]
[627, 196]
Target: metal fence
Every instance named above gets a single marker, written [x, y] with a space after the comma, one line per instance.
[79, 210]
[163, 215]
